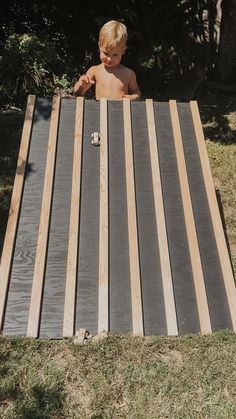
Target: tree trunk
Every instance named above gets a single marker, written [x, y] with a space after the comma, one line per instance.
[226, 66]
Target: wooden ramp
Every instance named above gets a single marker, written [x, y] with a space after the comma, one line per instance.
[125, 236]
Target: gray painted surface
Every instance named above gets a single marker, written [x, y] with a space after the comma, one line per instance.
[88, 255]
[24, 255]
[120, 293]
[55, 272]
[177, 237]
[120, 312]
[152, 290]
[216, 295]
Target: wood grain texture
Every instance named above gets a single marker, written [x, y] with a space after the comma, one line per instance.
[88, 253]
[37, 287]
[53, 301]
[171, 318]
[154, 318]
[120, 316]
[213, 278]
[182, 275]
[203, 311]
[71, 274]
[22, 270]
[136, 295]
[103, 321]
[215, 215]
[13, 218]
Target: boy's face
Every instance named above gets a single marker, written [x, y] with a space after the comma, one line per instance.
[111, 57]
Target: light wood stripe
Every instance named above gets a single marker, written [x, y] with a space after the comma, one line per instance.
[202, 305]
[40, 259]
[71, 273]
[136, 296]
[215, 215]
[14, 212]
[103, 319]
[170, 311]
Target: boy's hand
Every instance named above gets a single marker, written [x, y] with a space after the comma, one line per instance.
[83, 84]
[85, 81]
[131, 97]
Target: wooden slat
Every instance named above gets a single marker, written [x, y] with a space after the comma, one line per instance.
[215, 215]
[14, 211]
[136, 296]
[71, 273]
[40, 259]
[169, 301]
[201, 298]
[103, 320]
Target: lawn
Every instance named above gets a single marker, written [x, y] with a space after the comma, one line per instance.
[119, 377]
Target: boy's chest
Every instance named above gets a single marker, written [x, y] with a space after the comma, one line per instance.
[111, 79]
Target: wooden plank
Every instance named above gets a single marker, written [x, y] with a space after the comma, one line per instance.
[136, 296]
[15, 205]
[171, 318]
[71, 274]
[103, 320]
[40, 259]
[215, 215]
[203, 311]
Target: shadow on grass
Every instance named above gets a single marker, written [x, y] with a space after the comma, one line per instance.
[10, 129]
[216, 125]
[222, 216]
[30, 386]
[37, 401]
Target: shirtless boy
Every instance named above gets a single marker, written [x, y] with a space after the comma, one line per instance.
[112, 80]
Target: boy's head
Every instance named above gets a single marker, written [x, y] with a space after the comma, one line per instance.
[112, 35]
[112, 42]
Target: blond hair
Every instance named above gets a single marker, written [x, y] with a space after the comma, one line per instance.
[113, 34]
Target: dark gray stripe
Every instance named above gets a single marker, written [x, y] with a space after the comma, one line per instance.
[216, 295]
[152, 290]
[27, 234]
[88, 257]
[55, 273]
[120, 292]
[176, 229]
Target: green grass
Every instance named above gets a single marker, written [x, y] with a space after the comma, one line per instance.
[119, 377]
[219, 124]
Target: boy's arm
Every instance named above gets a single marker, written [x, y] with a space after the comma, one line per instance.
[134, 91]
[85, 82]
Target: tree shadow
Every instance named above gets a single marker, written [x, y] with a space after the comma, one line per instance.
[38, 401]
[221, 210]
[214, 110]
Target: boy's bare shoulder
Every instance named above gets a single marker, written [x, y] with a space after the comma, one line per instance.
[93, 70]
[128, 71]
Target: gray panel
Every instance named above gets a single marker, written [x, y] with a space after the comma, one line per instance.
[88, 252]
[55, 273]
[152, 290]
[88, 257]
[120, 293]
[177, 237]
[27, 234]
[214, 283]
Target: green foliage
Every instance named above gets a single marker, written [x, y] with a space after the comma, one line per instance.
[45, 46]
[25, 65]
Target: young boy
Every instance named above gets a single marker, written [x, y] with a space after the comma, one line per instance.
[112, 80]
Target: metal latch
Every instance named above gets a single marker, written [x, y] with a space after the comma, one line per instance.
[95, 138]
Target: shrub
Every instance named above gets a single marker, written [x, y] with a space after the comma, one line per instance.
[26, 66]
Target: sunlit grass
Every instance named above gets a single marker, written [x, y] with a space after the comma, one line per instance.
[119, 377]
